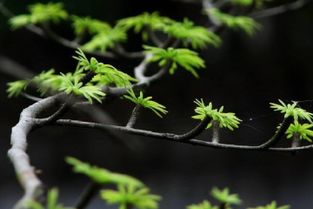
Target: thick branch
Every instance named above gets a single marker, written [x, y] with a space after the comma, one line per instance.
[17, 153]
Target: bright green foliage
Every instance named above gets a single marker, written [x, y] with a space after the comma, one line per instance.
[15, 88]
[257, 3]
[225, 197]
[225, 120]
[96, 73]
[243, 2]
[272, 205]
[105, 74]
[302, 130]
[291, 110]
[131, 196]
[203, 205]
[144, 21]
[146, 102]
[52, 202]
[40, 13]
[244, 23]
[196, 36]
[89, 25]
[105, 40]
[100, 175]
[187, 59]
[71, 84]
[47, 80]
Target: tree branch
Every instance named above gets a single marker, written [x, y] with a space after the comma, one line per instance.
[182, 138]
[280, 9]
[17, 153]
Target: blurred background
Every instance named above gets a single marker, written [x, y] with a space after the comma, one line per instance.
[244, 75]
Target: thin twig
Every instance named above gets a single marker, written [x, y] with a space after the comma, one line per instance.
[189, 135]
[88, 194]
[134, 116]
[280, 9]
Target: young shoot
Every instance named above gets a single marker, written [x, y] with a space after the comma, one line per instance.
[203, 205]
[197, 37]
[302, 131]
[225, 197]
[101, 175]
[292, 110]
[272, 205]
[146, 102]
[131, 196]
[15, 88]
[40, 13]
[247, 24]
[225, 120]
[185, 58]
[88, 25]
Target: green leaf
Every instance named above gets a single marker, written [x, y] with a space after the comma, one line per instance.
[197, 36]
[225, 197]
[146, 102]
[129, 195]
[246, 3]
[100, 175]
[272, 205]
[203, 205]
[40, 13]
[146, 20]
[70, 83]
[15, 88]
[89, 25]
[19, 21]
[105, 40]
[302, 130]
[291, 110]
[187, 59]
[225, 120]
[105, 74]
[244, 23]
[52, 202]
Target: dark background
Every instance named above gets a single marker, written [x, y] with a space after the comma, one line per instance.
[245, 74]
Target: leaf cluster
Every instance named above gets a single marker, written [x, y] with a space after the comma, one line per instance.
[225, 120]
[129, 195]
[301, 130]
[89, 25]
[247, 24]
[224, 196]
[146, 102]
[197, 37]
[40, 13]
[185, 58]
[106, 39]
[246, 3]
[15, 88]
[105, 74]
[272, 205]
[203, 205]
[100, 175]
[292, 110]
[144, 21]
[130, 191]
[86, 81]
